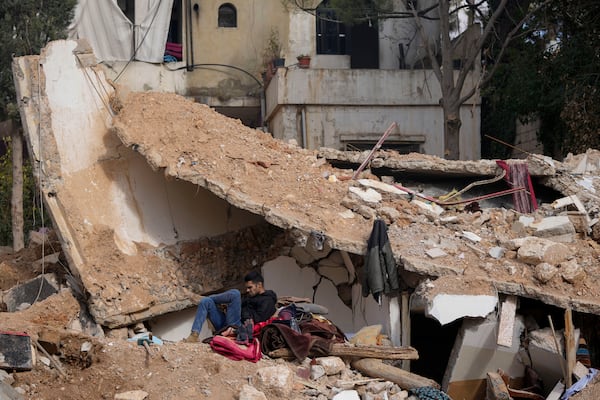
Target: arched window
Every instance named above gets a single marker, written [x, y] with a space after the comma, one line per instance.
[227, 16]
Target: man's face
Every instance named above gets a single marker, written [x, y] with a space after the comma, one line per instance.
[253, 288]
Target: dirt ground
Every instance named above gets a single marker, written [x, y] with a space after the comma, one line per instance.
[114, 365]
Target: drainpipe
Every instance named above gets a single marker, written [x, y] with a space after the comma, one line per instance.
[263, 109]
[189, 54]
[303, 127]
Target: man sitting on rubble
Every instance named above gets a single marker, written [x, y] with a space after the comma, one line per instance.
[257, 306]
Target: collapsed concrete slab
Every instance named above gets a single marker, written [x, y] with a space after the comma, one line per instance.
[155, 196]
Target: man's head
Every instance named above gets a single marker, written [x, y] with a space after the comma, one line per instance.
[254, 283]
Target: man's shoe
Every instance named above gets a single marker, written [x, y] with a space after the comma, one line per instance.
[193, 338]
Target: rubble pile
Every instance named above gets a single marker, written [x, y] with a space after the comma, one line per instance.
[165, 200]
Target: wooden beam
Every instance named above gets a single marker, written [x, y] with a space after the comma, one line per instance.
[342, 350]
[405, 326]
[406, 380]
[570, 349]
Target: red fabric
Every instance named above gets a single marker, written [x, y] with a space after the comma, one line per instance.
[230, 349]
[517, 180]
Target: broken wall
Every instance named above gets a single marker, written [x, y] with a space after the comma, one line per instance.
[113, 212]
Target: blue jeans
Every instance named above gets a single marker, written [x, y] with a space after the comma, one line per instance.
[208, 307]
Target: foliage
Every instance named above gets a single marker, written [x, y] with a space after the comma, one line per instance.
[552, 72]
[273, 47]
[26, 26]
[32, 213]
[352, 11]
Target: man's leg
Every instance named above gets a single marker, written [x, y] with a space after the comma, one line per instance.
[207, 308]
[233, 299]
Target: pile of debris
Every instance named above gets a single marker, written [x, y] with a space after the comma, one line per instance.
[157, 200]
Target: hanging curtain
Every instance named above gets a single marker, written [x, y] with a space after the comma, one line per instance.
[111, 33]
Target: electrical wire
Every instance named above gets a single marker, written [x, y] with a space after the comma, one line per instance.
[218, 65]
[141, 42]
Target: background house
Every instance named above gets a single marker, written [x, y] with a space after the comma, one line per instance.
[361, 77]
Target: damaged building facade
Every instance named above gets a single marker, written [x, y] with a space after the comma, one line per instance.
[158, 199]
[360, 78]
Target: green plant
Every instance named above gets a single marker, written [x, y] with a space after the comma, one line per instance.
[273, 47]
[32, 212]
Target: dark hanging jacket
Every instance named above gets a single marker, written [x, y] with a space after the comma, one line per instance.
[260, 307]
[381, 274]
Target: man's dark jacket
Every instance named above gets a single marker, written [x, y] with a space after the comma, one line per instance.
[381, 273]
[260, 307]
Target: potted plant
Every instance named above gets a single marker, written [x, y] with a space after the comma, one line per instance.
[303, 61]
[272, 52]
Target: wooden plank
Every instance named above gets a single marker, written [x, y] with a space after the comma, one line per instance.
[342, 350]
[507, 321]
[406, 380]
[570, 349]
[563, 363]
[496, 388]
[405, 326]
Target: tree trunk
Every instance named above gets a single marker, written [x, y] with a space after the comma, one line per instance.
[452, 125]
[17, 189]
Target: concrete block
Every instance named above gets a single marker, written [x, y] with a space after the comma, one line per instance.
[537, 250]
[476, 352]
[428, 208]
[6, 378]
[334, 259]
[544, 355]
[367, 195]
[436, 252]
[27, 293]
[15, 351]
[381, 186]
[554, 226]
[450, 307]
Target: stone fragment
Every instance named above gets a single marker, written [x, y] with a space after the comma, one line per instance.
[428, 208]
[7, 378]
[544, 272]
[496, 252]
[7, 392]
[369, 195]
[275, 379]
[347, 395]
[350, 203]
[402, 395]
[301, 255]
[471, 236]
[131, 395]
[389, 212]
[348, 214]
[537, 250]
[571, 271]
[436, 252]
[251, 393]
[316, 372]
[332, 365]
[379, 386]
[366, 211]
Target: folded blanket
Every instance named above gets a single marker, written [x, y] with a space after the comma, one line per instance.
[276, 336]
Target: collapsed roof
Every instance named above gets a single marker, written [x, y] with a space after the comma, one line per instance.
[155, 196]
